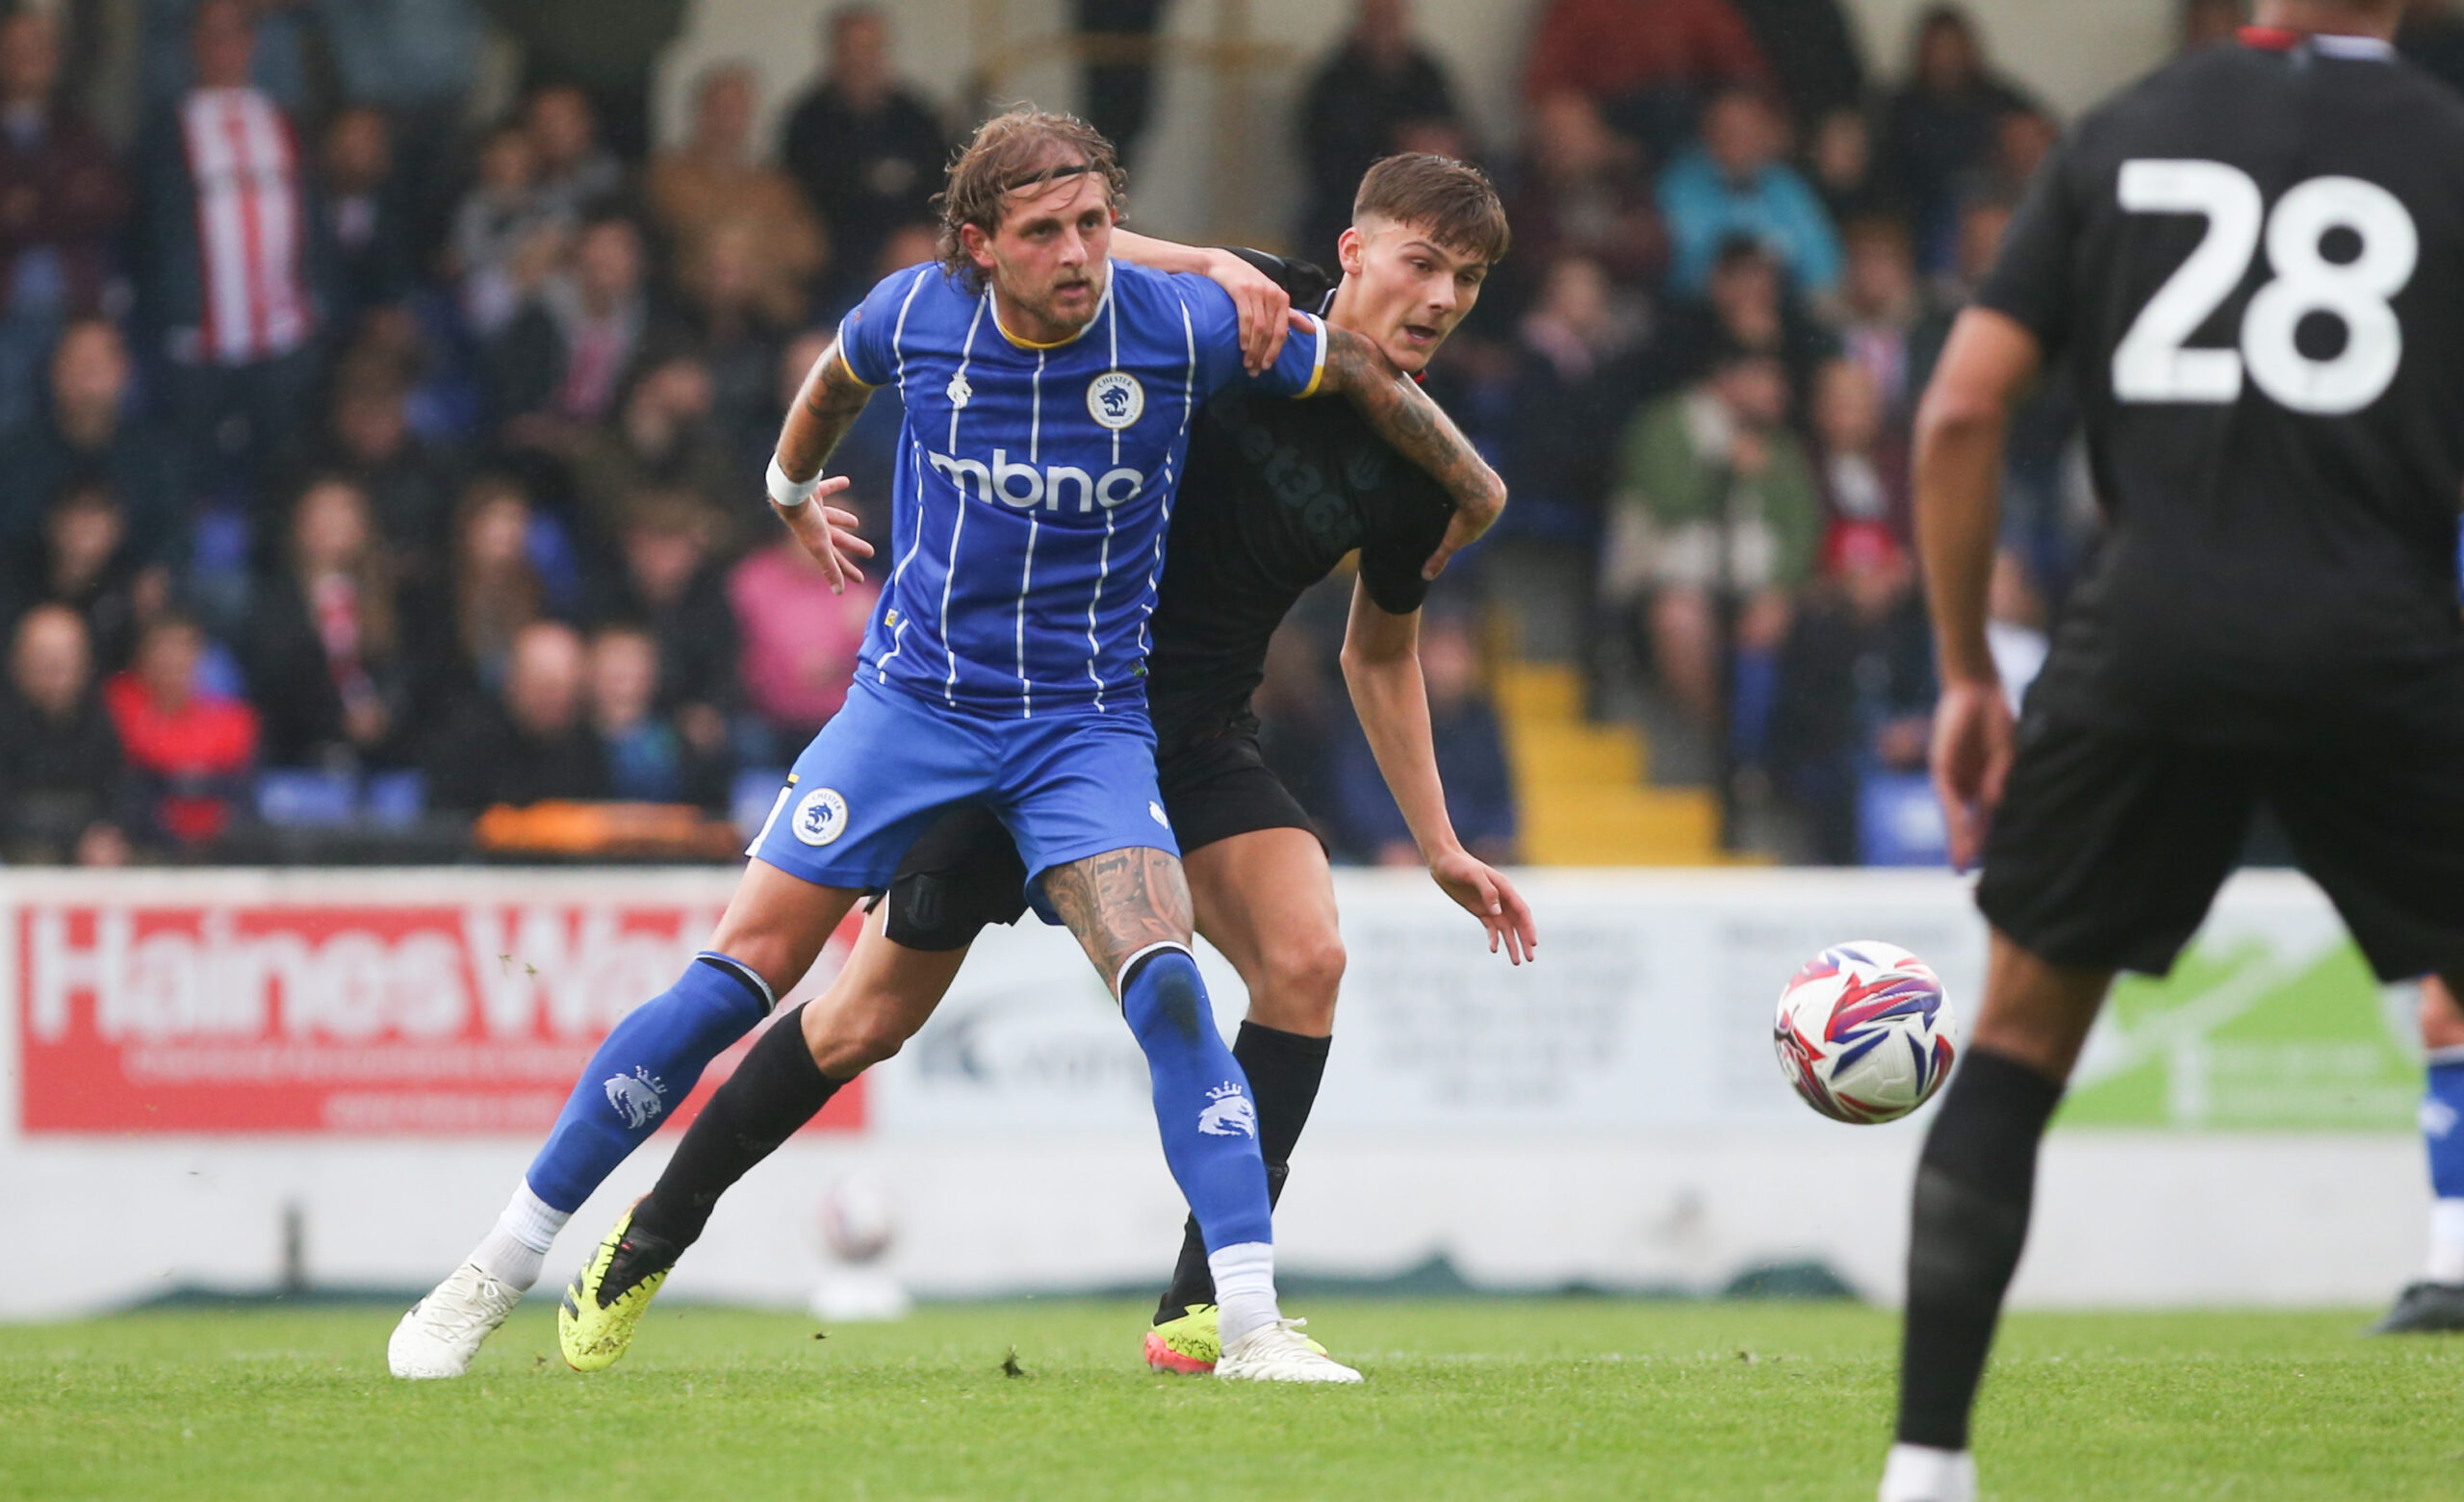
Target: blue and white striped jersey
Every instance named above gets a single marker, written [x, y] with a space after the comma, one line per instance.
[1034, 484]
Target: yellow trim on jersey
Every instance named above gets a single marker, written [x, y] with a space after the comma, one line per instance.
[1318, 370]
[1017, 343]
[838, 347]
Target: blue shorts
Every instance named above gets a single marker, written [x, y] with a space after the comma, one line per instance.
[1067, 785]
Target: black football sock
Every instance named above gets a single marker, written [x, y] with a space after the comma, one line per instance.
[1974, 1185]
[778, 1091]
[1284, 1069]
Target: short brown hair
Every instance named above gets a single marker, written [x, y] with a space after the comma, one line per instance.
[1020, 148]
[1453, 201]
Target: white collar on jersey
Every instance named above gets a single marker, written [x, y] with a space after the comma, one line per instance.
[2359, 49]
[1112, 275]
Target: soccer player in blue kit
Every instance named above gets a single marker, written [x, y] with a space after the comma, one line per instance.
[1049, 392]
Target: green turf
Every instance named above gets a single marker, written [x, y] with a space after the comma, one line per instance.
[1471, 1400]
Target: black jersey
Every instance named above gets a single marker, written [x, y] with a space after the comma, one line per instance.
[2255, 261]
[1277, 493]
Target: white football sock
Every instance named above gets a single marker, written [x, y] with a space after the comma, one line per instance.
[1921, 1473]
[2446, 1242]
[514, 1251]
[1243, 1289]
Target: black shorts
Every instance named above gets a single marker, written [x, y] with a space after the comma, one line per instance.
[2109, 847]
[965, 872]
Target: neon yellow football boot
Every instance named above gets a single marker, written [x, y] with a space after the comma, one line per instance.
[606, 1298]
[1188, 1344]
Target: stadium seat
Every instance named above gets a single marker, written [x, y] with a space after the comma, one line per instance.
[1898, 822]
[304, 797]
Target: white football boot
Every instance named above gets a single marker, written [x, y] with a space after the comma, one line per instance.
[1278, 1352]
[1918, 1473]
[442, 1333]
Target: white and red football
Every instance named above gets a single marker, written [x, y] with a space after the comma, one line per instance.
[1865, 1033]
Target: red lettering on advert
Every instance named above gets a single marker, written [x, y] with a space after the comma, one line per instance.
[363, 1020]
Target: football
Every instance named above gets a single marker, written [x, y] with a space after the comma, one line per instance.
[1865, 1033]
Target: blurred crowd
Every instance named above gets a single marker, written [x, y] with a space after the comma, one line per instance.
[366, 463]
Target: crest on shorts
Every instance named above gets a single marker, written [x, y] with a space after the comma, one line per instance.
[821, 816]
[1116, 400]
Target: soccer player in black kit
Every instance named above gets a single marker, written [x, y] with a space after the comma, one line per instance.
[1278, 494]
[2252, 264]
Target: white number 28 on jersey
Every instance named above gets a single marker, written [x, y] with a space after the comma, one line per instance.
[2152, 365]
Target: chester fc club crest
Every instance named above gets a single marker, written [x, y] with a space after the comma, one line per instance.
[1116, 400]
[821, 816]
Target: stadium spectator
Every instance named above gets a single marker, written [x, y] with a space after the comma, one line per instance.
[324, 663]
[1117, 81]
[1377, 81]
[496, 591]
[1881, 306]
[665, 438]
[648, 761]
[798, 642]
[1861, 459]
[62, 200]
[739, 312]
[418, 62]
[1941, 124]
[63, 792]
[2206, 23]
[576, 173]
[508, 235]
[1644, 63]
[1749, 305]
[558, 365]
[189, 753]
[670, 585]
[1471, 758]
[88, 429]
[1585, 194]
[712, 185]
[1714, 498]
[367, 273]
[87, 561]
[1812, 47]
[601, 55]
[1856, 686]
[534, 741]
[1840, 167]
[1577, 373]
[867, 149]
[228, 283]
[410, 486]
[1736, 184]
[280, 63]
[2432, 37]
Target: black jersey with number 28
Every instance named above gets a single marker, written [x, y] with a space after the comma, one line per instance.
[2254, 262]
[1277, 492]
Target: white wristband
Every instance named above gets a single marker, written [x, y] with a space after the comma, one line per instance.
[786, 494]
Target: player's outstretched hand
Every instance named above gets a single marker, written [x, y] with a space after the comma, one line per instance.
[1973, 741]
[1263, 305]
[1483, 891]
[828, 533]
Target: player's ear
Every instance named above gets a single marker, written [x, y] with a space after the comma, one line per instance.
[977, 245]
[1350, 251]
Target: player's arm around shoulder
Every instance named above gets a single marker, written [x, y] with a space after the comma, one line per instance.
[1261, 304]
[1382, 671]
[1399, 411]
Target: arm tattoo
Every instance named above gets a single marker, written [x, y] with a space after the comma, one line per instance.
[1402, 415]
[825, 410]
[1120, 903]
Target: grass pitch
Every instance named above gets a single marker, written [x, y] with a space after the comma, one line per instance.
[1571, 1399]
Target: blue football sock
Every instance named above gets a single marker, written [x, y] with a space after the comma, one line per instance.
[1201, 1100]
[650, 1062]
[2443, 1122]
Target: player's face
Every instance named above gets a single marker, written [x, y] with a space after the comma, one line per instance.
[1404, 290]
[1046, 261]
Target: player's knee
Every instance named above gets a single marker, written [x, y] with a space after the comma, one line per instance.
[850, 1040]
[1304, 972]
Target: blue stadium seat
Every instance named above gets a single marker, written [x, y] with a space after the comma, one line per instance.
[394, 800]
[1898, 822]
[303, 798]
